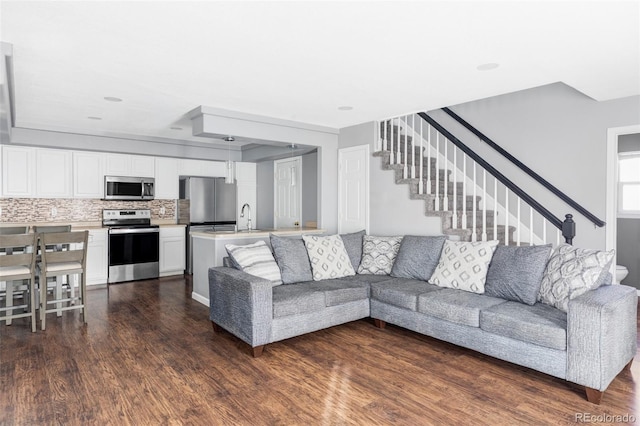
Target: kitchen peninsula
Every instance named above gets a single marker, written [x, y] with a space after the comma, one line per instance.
[208, 251]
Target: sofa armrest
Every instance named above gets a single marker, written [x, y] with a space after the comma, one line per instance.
[241, 303]
[601, 335]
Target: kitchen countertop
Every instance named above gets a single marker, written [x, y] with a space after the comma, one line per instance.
[81, 226]
[256, 233]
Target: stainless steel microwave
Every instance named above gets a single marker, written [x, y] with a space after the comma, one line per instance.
[128, 188]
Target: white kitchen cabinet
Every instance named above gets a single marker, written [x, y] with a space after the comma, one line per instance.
[97, 257]
[129, 165]
[203, 168]
[172, 250]
[53, 173]
[18, 174]
[88, 174]
[167, 177]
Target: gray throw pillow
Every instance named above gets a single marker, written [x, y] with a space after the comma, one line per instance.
[378, 254]
[418, 257]
[353, 245]
[292, 259]
[515, 273]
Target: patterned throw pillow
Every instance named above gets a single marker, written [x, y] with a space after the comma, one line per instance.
[329, 258]
[464, 265]
[378, 254]
[571, 272]
[255, 259]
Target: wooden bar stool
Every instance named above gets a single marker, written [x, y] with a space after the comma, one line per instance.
[17, 263]
[12, 230]
[71, 260]
[47, 229]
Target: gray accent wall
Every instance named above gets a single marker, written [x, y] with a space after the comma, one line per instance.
[628, 235]
[309, 188]
[310, 193]
[628, 249]
[558, 132]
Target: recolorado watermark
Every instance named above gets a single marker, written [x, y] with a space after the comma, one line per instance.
[604, 418]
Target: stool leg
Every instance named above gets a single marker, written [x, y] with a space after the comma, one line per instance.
[43, 301]
[83, 290]
[73, 281]
[58, 295]
[32, 300]
[9, 292]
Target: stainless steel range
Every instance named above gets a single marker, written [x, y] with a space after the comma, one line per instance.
[133, 245]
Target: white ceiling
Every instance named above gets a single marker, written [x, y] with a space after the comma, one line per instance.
[302, 60]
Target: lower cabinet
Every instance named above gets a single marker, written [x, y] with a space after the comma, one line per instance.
[97, 257]
[172, 250]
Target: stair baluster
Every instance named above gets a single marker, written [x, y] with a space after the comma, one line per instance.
[405, 171]
[464, 192]
[454, 218]
[413, 146]
[429, 158]
[506, 215]
[530, 225]
[474, 236]
[484, 207]
[437, 200]
[391, 152]
[398, 142]
[445, 198]
[495, 208]
[421, 182]
[518, 222]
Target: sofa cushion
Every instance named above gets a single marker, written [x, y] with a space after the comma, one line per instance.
[378, 254]
[417, 257]
[463, 265]
[297, 299]
[341, 291]
[366, 278]
[401, 292]
[572, 271]
[460, 307]
[353, 246]
[255, 259]
[292, 259]
[515, 273]
[539, 324]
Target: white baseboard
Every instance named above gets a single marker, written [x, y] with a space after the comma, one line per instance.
[199, 298]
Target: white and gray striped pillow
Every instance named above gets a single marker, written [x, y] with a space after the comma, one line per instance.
[256, 259]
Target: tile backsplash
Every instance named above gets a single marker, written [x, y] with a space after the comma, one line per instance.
[25, 210]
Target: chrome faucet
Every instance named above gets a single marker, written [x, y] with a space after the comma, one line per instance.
[249, 218]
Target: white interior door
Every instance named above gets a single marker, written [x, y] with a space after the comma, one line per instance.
[353, 189]
[287, 193]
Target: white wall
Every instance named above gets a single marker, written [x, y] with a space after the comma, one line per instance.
[559, 133]
[391, 212]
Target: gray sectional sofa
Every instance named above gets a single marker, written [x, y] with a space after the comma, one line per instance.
[589, 344]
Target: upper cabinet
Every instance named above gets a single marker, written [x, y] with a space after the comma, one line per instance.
[18, 171]
[53, 173]
[129, 165]
[202, 168]
[88, 174]
[167, 177]
[36, 172]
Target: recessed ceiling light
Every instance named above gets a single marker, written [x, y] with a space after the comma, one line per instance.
[229, 139]
[94, 118]
[175, 128]
[487, 67]
[345, 108]
[112, 99]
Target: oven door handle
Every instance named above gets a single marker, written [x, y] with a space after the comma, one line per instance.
[134, 231]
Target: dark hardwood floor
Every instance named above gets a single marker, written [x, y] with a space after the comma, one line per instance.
[149, 356]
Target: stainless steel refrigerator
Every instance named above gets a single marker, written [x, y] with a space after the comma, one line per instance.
[206, 204]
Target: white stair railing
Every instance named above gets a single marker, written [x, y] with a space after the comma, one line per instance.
[410, 136]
